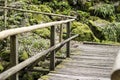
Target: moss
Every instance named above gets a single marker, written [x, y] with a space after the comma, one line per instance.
[45, 77]
[118, 9]
[45, 8]
[5, 55]
[1, 67]
[85, 34]
[24, 56]
[88, 5]
[45, 33]
[97, 27]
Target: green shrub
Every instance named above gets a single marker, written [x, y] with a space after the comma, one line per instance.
[45, 32]
[112, 32]
[104, 10]
[24, 56]
[1, 67]
[82, 16]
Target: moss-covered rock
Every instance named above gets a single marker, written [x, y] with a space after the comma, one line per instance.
[85, 34]
[97, 27]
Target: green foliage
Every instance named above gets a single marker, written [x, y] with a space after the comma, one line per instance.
[104, 10]
[112, 32]
[24, 56]
[118, 17]
[5, 55]
[83, 16]
[1, 67]
[59, 5]
[45, 33]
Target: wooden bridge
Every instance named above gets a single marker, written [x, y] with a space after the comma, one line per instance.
[88, 62]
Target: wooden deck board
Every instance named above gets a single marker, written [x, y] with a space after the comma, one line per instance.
[90, 62]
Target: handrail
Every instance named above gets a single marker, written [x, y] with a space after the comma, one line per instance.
[116, 69]
[14, 47]
[36, 12]
[10, 32]
[25, 63]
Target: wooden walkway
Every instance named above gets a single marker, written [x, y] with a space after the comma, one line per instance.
[87, 62]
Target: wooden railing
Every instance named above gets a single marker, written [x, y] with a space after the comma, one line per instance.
[12, 33]
[116, 69]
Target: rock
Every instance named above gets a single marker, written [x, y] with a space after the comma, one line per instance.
[84, 31]
[97, 26]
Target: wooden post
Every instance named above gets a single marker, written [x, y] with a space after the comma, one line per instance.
[5, 14]
[61, 31]
[68, 43]
[14, 54]
[52, 54]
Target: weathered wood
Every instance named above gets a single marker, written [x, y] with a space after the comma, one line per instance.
[5, 14]
[14, 54]
[10, 32]
[52, 54]
[36, 12]
[81, 67]
[61, 32]
[116, 69]
[68, 43]
[28, 61]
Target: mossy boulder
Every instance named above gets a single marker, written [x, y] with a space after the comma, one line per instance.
[97, 27]
[85, 34]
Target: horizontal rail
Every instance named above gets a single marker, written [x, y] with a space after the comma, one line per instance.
[10, 32]
[25, 63]
[36, 12]
[116, 69]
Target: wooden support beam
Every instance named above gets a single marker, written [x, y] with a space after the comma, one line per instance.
[68, 43]
[52, 54]
[14, 55]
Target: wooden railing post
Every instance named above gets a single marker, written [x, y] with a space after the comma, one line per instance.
[14, 54]
[68, 43]
[5, 14]
[61, 32]
[52, 54]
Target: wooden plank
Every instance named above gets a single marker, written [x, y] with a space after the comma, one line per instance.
[52, 54]
[14, 55]
[10, 32]
[85, 67]
[30, 60]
